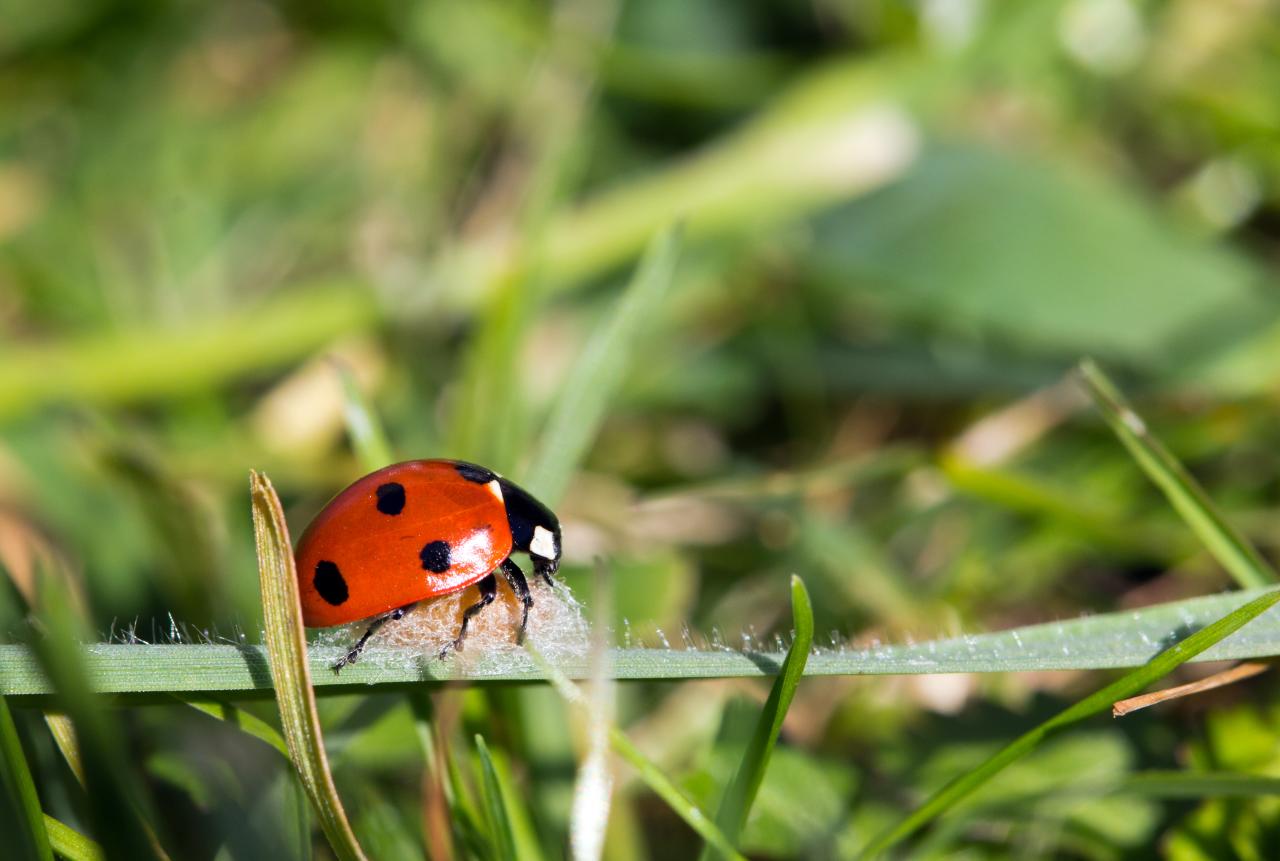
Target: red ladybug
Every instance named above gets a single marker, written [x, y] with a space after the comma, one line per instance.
[418, 530]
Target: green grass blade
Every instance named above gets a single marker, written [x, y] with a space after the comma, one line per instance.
[1118, 640]
[1126, 686]
[1190, 784]
[364, 428]
[742, 789]
[489, 420]
[24, 825]
[1227, 545]
[593, 380]
[500, 831]
[64, 735]
[287, 653]
[667, 790]
[240, 719]
[138, 365]
[653, 777]
[69, 843]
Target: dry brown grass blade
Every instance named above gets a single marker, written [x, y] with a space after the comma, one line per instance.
[287, 655]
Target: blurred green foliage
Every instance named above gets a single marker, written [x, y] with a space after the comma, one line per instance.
[905, 221]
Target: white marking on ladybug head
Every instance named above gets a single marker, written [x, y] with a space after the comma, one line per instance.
[543, 543]
[496, 489]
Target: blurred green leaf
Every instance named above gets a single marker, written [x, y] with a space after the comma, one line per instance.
[241, 720]
[1043, 255]
[19, 804]
[139, 365]
[363, 425]
[586, 392]
[290, 671]
[495, 807]
[490, 419]
[1192, 784]
[116, 802]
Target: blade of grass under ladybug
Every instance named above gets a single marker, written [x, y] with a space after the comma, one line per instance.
[116, 803]
[741, 792]
[364, 428]
[20, 815]
[652, 776]
[595, 377]
[240, 719]
[1127, 685]
[69, 843]
[1227, 545]
[500, 832]
[287, 655]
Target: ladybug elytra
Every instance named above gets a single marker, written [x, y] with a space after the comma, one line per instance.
[419, 530]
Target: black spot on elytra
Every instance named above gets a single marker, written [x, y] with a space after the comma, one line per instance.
[435, 557]
[471, 472]
[391, 497]
[329, 583]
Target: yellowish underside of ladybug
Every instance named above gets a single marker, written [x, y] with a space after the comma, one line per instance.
[557, 628]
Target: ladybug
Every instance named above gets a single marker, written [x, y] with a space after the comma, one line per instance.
[418, 530]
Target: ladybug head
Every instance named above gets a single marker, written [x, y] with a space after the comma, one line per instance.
[534, 528]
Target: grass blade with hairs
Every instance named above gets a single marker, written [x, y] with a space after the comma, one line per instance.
[1227, 545]
[1128, 685]
[1115, 640]
[742, 789]
[290, 671]
[586, 392]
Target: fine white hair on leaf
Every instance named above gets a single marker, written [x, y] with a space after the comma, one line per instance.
[556, 626]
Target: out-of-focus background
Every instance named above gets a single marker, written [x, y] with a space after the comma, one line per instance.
[905, 222]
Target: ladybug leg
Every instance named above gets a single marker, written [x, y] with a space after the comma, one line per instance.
[354, 655]
[520, 586]
[544, 568]
[488, 591]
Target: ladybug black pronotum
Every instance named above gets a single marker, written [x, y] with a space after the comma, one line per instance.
[418, 530]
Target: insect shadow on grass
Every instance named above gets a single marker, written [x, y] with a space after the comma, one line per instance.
[255, 661]
[769, 664]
